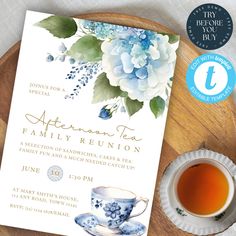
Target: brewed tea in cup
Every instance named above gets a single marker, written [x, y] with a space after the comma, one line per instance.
[204, 187]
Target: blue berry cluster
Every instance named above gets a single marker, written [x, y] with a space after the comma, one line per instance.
[83, 72]
[61, 56]
[105, 30]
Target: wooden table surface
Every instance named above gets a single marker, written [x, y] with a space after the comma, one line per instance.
[190, 124]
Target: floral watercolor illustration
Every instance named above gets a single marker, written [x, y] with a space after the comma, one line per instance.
[130, 66]
[113, 211]
[110, 214]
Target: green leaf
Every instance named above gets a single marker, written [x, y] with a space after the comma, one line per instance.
[124, 94]
[157, 106]
[103, 90]
[59, 26]
[132, 106]
[173, 38]
[87, 48]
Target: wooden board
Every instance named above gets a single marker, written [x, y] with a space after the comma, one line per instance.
[190, 124]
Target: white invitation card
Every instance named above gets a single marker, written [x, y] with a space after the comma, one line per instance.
[86, 127]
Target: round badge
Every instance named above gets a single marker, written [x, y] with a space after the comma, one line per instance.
[209, 26]
[55, 173]
[211, 78]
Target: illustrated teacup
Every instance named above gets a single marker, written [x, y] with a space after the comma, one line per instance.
[113, 206]
[204, 187]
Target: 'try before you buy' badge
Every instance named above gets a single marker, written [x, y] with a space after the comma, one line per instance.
[209, 26]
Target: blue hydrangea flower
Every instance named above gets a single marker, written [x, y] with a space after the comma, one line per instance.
[140, 62]
[101, 30]
[104, 30]
[112, 210]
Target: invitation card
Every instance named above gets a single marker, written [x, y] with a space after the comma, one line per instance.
[86, 127]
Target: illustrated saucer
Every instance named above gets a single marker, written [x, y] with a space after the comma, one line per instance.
[183, 220]
[90, 224]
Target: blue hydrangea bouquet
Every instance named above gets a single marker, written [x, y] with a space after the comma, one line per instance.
[131, 65]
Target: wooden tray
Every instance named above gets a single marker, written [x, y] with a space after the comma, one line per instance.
[190, 123]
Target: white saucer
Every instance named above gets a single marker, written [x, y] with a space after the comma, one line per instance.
[184, 221]
[90, 224]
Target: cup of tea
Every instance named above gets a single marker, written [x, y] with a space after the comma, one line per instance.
[113, 206]
[204, 187]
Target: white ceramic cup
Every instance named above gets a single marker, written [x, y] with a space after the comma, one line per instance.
[218, 165]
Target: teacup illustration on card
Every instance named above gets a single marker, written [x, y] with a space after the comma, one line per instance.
[113, 206]
[111, 211]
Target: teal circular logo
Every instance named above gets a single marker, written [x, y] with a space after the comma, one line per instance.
[211, 78]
